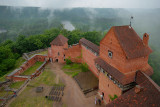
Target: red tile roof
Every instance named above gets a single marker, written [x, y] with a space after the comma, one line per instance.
[60, 40]
[130, 42]
[91, 45]
[123, 79]
[149, 95]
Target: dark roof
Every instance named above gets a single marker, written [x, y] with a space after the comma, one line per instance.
[123, 79]
[91, 45]
[149, 95]
[130, 42]
[60, 40]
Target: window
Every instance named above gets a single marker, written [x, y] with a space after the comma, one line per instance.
[110, 54]
[58, 53]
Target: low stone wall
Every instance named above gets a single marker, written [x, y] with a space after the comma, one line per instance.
[5, 100]
[39, 70]
[26, 55]
[20, 78]
[31, 61]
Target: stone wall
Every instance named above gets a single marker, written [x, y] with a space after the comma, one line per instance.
[108, 87]
[74, 53]
[26, 55]
[31, 61]
[88, 57]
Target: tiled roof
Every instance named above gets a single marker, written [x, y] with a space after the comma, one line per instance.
[130, 42]
[91, 45]
[60, 40]
[149, 95]
[123, 79]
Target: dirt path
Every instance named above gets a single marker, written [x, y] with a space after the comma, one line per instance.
[73, 96]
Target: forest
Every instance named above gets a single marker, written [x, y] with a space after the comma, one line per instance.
[31, 28]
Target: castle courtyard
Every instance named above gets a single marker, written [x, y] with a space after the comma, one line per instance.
[73, 95]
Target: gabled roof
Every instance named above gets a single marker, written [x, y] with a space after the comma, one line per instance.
[91, 45]
[148, 96]
[131, 43]
[60, 40]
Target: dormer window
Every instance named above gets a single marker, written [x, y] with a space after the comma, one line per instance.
[110, 54]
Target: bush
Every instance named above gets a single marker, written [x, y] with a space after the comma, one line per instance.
[68, 61]
[84, 67]
[112, 98]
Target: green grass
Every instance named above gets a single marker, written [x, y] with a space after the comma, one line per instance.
[19, 62]
[29, 98]
[72, 69]
[72, 66]
[47, 77]
[17, 85]
[32, 69]
[5, 93]
[42, 53]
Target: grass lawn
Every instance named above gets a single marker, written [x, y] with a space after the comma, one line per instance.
[16, 85]
[43, 52]
[29, 98]
[19, 62]
[72, 69]
[32, 69]
[5, 93]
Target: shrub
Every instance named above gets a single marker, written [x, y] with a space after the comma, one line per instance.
[112, 98]
[68, 61]
[84, 67]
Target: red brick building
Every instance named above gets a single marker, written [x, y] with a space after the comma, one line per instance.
[121, 54]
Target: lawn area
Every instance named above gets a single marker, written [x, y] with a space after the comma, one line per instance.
[32, 69]
[5, 93]
[16, 85]
[29, 97]
[43, 52]
[19, 62]
[47, 78]
[72, 69]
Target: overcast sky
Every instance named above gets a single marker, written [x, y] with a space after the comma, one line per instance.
[84, 3]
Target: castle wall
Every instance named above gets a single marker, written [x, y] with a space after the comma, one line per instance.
[88, 57]
[74, 53]
[108, 87]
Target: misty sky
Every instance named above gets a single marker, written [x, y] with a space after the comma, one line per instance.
[84, 3]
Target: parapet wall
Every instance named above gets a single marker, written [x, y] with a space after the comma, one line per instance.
[74, 53]
[31, 61]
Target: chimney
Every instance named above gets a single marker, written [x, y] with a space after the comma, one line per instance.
[145, 39]
[138, 89]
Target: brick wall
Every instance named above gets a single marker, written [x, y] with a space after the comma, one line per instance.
[108, 87]
[74, 53]
[58, 49]
[88, 57]
[19, 78]
[15, 74]
[119, 60]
